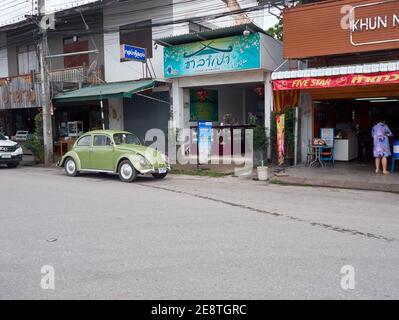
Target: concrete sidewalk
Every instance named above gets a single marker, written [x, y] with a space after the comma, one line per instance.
[343, 175]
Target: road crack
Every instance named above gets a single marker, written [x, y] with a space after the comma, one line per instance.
[276, 214]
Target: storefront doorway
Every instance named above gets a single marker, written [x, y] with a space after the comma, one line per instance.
[352, 112]
[232, 109]
[353, 120]
[13, 120]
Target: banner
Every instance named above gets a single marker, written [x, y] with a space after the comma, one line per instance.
[349, 80]
[285, 99]
[204, 142]
[224, 54]
[280, 118]
[204, 105]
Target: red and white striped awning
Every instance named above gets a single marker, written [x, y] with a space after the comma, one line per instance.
[334, 77]
[338, 70]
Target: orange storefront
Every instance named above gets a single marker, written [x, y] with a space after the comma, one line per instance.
[346, 58]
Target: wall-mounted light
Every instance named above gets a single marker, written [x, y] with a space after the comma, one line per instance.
[390, 100]
[367, 99]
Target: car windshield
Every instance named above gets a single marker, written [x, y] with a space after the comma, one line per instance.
[2, 137]
[126, 138]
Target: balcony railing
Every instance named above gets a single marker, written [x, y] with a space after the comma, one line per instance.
[25, 92]
[79, 75]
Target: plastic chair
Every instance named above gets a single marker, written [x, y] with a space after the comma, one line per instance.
[395, 155]
[327, 153]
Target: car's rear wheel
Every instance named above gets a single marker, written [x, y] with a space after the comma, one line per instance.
[70, 167]
[12, 165]
[126, 171]
[159, 176]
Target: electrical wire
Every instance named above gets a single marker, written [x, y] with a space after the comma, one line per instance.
[157, 26]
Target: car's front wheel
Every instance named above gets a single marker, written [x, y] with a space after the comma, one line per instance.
[127, 172]
[12, 165]
[70, 167]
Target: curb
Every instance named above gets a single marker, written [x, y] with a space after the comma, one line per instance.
[308, 183]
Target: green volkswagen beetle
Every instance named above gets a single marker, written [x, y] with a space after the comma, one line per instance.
[117, 152]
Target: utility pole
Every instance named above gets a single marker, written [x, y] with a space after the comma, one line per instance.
[44, 24]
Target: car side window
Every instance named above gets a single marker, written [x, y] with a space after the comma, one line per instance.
[101, 141]
[84, 141]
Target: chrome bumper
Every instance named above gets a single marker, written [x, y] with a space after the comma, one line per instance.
[153, 170]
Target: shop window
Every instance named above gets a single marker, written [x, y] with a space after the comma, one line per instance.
[137, 34]
[84, 141]
[27, 59]
[101, 141]
[76, 44]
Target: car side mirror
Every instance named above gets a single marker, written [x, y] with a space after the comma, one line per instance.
[7, 137]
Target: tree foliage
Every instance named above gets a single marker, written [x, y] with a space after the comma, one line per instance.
[277, 30]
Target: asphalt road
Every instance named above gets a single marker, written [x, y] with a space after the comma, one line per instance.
[192, 238]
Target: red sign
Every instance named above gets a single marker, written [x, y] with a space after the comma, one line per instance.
[349, 80]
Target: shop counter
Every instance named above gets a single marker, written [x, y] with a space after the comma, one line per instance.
[346, 149]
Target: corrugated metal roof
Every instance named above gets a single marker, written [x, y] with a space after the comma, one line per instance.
[209, 35]
[104, 91]
[338, 70]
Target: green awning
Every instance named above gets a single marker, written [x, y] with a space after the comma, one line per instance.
[104, 91]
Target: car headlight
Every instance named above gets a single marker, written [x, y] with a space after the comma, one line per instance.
[143, 161]
[166, 159]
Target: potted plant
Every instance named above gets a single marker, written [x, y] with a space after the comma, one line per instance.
[260, 146]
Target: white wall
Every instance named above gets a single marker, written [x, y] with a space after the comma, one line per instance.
[3, 56]
[222, 78]
[115, 107]
[201, 8]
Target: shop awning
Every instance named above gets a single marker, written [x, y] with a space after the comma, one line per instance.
[209, 34]
[339, 76]
[104, 91]
[337, 70]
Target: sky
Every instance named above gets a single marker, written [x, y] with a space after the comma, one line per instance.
[12, 11]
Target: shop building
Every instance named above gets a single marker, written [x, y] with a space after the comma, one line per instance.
[346, 58]
[20, 87]
[223, 77]
[132, 25]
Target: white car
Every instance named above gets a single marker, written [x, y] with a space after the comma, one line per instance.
[10, 152]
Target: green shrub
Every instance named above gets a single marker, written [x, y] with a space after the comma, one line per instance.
[289, 132]
[35, 144]
[260, 140]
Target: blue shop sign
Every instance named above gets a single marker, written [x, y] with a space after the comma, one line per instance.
[129, 52]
